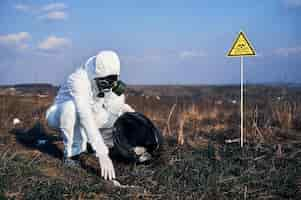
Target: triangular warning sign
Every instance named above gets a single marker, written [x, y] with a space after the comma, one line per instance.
[241, 47]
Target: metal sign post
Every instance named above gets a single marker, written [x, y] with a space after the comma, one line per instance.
[241, 101]
[241, 47]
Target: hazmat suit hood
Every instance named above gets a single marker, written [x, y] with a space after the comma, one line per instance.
[105, 63]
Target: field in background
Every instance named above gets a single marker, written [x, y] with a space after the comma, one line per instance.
[200, 160]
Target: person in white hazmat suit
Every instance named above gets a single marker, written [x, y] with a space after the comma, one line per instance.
[84, 104]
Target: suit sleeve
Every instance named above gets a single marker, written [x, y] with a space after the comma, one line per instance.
[80, 89]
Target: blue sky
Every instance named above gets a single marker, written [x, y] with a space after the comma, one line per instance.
[159, 42]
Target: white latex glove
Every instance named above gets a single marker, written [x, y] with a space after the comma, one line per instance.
[107, 168]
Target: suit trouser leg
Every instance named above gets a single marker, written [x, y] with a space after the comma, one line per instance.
[64, 118]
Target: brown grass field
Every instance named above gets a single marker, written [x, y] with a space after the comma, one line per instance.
[200, 158]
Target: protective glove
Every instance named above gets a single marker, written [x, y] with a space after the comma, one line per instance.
[107, 168]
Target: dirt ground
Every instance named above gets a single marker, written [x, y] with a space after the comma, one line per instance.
[199, 159]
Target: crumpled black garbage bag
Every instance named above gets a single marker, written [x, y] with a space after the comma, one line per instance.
[133, 129]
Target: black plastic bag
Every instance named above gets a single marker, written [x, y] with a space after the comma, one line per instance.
[132, 130]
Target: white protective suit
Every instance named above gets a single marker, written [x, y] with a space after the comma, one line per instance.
[78, 113]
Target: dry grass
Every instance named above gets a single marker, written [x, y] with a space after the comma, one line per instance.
[195, 164]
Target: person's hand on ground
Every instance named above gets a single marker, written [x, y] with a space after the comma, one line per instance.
[107, 168]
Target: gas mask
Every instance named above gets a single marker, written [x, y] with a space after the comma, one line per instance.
[108, 83]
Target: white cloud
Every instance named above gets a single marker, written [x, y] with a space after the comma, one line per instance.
[16, 40]
[22, 7]
[292, 3]
[55, 15]
[53, 11]
[191, 54]
[15, 37]
[53, 43]
[288, 51]
[163, 56]
[54, 6]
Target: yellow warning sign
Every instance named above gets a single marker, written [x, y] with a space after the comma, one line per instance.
[242, 47]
